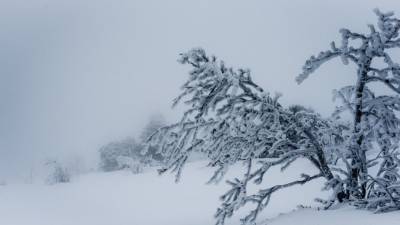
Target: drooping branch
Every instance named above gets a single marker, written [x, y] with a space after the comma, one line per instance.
[263, 197]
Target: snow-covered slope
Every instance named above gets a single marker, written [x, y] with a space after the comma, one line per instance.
[122, 198]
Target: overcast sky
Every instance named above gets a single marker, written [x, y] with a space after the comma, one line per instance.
[76, 74]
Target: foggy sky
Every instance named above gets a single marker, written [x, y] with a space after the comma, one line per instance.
[76, 74]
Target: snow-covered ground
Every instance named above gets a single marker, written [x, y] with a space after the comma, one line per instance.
[122, 198]
[342, 216]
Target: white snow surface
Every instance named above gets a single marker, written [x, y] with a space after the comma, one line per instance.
[123, 198]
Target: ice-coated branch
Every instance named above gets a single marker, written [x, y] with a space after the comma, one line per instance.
[263, 197]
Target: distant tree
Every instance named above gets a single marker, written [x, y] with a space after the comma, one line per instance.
[110, 152]
[131, 154]
[58, 172]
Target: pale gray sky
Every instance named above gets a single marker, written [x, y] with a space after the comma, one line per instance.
[75, 74]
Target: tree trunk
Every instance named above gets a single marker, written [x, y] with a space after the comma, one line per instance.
[359, 162]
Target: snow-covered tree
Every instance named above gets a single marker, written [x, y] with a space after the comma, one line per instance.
[231, 119]
[58, 172]
[375, 132]
[131, 154]
[109, 153]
